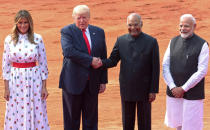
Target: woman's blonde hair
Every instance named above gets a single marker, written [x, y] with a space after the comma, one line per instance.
[15, 32]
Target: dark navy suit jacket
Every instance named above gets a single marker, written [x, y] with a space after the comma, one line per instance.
[77, 68]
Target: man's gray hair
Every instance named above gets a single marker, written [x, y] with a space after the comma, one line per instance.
[134, 15]
[188, 16]
[79, 9]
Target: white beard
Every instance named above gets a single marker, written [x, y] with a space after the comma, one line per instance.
[186, 35]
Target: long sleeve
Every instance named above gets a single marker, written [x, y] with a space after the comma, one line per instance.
[166, 70]
[104, 75]
[70, 51]
[114, 57]
[6, 64]
[42, 59]
[155, 69]
[202, 69]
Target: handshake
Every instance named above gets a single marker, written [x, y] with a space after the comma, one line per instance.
[96, 62]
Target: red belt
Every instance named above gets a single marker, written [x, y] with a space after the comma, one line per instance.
[24, 65]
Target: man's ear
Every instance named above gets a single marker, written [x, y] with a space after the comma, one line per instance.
[194, 26]
[141, 23]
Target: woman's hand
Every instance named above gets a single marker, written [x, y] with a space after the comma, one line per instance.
[44, 93]
[6, 94]
[6, 91]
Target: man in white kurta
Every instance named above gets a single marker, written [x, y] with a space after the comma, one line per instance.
[185, 94]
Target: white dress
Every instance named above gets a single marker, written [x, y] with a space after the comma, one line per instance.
[25, 109]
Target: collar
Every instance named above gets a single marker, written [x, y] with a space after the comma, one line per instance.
[23, 36]
[87, 30]
[188, 38]
[134, 38]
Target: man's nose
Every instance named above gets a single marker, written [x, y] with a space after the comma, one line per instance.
[132, 26]
[81, 20]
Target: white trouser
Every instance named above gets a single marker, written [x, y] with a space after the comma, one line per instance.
[185, 113]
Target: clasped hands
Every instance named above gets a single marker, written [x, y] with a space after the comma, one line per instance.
[178, 92]
[96, 62]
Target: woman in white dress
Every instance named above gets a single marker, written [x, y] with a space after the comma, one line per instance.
[25, 72]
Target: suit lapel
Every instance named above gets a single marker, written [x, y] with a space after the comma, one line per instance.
[81, 39]
[93, 39]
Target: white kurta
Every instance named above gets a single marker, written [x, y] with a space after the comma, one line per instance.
[25, 109]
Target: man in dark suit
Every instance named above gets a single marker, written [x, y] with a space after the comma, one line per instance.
[81, 82]
[139, 73]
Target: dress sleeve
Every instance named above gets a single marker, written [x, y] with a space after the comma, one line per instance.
[114, 57]
[42, 59]
[6, 64]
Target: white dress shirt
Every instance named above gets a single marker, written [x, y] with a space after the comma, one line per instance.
[87, 32]
[196, 77]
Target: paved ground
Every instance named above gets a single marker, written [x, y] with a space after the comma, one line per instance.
[160, 18]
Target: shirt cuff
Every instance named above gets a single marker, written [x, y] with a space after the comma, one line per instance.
[185, 88]
[171, 86]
